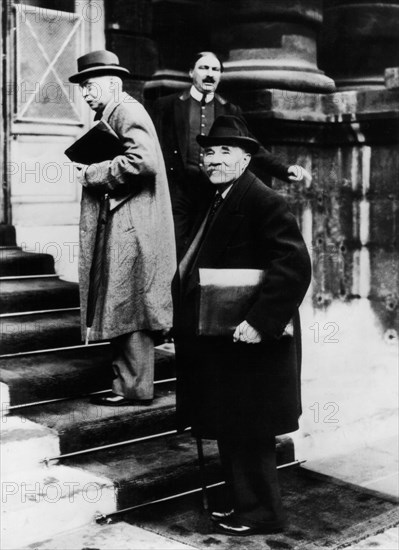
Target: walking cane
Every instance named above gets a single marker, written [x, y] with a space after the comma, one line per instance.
[96, 265]
[201, 465]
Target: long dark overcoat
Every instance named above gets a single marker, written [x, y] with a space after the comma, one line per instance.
[139, 259]
[237, 389]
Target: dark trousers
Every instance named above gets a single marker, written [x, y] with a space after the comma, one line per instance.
[251, 479]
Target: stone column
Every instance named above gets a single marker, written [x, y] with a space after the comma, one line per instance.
[359, 40]
[269, 44]
[179, 31]
[128, 34]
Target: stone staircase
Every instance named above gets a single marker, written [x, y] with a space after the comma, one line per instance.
[64, 460]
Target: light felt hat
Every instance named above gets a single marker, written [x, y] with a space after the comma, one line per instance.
[98, 63]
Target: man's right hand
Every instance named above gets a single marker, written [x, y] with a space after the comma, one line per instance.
[298, 173]
[246, 333]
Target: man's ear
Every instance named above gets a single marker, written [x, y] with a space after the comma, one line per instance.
[190, 73]
[247, 159]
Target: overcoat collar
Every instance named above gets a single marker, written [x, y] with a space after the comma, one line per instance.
[222, 229]
[225, 222]
[113, 104]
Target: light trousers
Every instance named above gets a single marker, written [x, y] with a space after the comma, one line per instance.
[133, 365]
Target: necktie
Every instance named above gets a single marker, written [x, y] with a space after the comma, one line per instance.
[217, 201]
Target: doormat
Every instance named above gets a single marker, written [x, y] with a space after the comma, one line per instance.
[320, 514]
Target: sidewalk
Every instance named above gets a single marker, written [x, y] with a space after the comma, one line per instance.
[388, 540]
[117, 536]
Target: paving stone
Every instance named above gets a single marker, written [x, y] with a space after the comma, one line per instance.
[388, 540]
[120, 536]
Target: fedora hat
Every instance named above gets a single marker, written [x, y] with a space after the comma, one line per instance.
[229, 130]
[98, 63]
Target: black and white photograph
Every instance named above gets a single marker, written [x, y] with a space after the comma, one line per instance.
[199, 275]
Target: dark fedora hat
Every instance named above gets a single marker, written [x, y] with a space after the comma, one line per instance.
[229, 130]
[98, 63]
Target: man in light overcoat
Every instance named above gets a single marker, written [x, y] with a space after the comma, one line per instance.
[134, 301]
[243, 389]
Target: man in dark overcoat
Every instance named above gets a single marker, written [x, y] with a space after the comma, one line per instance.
[178, 118]
[243, 389]
[134, 301]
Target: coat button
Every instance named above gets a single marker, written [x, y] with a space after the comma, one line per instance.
[175, 152]
[171, 169]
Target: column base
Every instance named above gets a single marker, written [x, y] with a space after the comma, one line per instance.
[289, 78]
[165, 82]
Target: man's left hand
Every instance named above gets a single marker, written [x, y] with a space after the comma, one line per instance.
[298, 173]
[80, 172]
[246, 333]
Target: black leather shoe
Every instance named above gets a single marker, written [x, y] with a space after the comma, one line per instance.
[221, 516]
[113, 400]
[236, 529]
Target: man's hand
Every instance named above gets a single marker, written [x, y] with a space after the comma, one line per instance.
[298, 173]
[80, 171]
[245, 333]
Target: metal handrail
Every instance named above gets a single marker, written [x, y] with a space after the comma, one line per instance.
[112, 445]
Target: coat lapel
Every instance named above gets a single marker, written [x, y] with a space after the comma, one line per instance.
[181, 113]
[224, 224]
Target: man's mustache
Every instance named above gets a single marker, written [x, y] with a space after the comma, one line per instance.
[209, 79]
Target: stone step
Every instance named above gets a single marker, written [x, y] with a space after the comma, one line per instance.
[39, 331]
[82, 425]
[151, 469]
[23, 444]
[35, 294]
[159, 468]
[15, 261]
[67, 373]
[39, 503]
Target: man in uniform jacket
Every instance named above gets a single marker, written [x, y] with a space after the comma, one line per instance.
[134, 300]
[178, 118]
[242, 389]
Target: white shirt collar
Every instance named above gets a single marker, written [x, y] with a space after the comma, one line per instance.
[226, 191]
[198, 96]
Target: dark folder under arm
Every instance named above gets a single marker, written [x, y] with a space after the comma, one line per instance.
[226, 296]
[97, 145]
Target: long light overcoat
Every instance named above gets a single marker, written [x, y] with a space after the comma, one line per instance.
[240, 390]
[139, 259]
